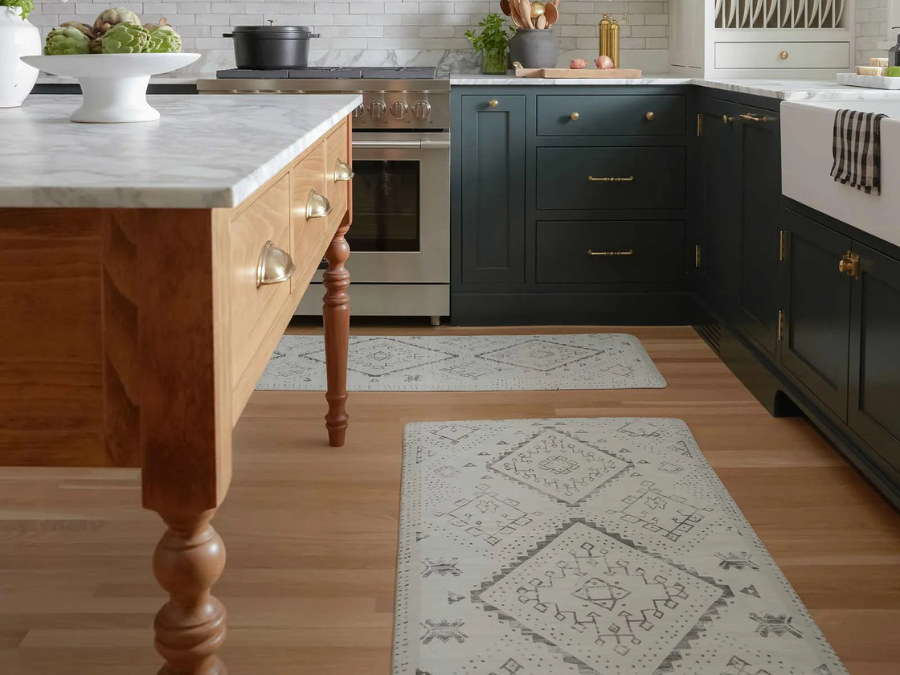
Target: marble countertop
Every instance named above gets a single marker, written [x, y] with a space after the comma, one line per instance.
[787, 90]
[205, 152]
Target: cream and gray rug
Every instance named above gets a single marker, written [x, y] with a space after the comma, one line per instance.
[582, 547]
[469, 363]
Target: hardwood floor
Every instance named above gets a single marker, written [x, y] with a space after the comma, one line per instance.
[311, 531]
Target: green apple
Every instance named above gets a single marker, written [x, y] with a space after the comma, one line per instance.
[892, 71]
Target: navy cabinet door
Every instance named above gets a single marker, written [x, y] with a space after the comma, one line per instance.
[816, 345]
[874, 408]
[493, 189]
[757, 307]
[719, 217]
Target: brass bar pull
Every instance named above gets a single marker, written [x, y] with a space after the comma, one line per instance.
[754, 118]
[275, 266]
[629, 252]
[849, 265]
[593, 179]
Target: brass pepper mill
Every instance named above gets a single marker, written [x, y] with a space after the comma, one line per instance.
[614, 43]
[604, 35]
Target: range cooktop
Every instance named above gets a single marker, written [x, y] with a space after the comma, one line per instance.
[329, 74]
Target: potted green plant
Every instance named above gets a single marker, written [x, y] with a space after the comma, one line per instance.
[491, 43]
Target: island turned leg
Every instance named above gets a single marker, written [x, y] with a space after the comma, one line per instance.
[190, 627]
[336, 315]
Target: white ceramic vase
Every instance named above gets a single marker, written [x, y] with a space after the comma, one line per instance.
[18, 37]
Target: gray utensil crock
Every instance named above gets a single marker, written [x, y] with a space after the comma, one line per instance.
[537, 48]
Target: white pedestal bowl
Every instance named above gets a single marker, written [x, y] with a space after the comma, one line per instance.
[114, 86]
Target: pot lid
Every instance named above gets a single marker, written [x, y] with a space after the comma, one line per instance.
[274, 30]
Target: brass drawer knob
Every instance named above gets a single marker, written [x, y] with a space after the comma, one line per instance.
[493, 103]
[726, 119]
[342, 172]
[317, 206]
[574, 117]
[784, 55]
[650, 116]
[275, 266]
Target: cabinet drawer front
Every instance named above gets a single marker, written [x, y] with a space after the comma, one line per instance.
[610, 252]
[610, 115]
[254, 310]
[782, 55]
[337, 149]
[310, 233]
[639, 178]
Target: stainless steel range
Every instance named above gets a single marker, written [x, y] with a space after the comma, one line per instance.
[400, 237]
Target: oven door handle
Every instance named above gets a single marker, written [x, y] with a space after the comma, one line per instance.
[386, 145]
[402, 145]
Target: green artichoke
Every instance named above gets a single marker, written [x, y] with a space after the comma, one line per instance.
[64, 40]
[112, 17]
[27, 6]
[83, 27]
[125, 38]
[163, 38]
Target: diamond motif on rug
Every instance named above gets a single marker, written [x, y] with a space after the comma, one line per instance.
[539, 355]
[561, 466]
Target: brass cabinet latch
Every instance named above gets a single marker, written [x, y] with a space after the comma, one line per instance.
[849, 265]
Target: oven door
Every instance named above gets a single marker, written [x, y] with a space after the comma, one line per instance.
[401, 208]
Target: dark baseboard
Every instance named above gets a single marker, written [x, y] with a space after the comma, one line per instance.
[597, 309]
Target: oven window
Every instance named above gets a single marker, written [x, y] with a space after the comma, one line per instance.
[385, 206]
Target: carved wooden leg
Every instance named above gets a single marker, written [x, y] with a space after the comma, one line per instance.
[336, 315]
[190, 627]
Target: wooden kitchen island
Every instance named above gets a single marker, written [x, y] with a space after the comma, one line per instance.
[147, 272]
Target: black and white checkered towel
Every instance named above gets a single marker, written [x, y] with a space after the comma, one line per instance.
[856, 149]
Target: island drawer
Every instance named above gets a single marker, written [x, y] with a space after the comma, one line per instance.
[255, 308]
[611, 115]
[610, 178]
[610, 251]
[337, 187]
[312, 230]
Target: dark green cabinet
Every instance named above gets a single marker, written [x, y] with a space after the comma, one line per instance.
[874, 402]
[759, 132]
[816, 341]
[718, 212]
[492, 189]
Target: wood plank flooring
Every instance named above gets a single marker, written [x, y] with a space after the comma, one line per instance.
[311, 531]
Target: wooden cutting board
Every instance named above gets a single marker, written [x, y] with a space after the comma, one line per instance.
[583, 74]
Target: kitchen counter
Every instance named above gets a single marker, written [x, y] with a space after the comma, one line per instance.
[205, 152]
[787, 90]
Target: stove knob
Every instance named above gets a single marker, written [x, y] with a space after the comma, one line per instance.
[421, 109]
[399, 109]
[377, 109]
[357, 113]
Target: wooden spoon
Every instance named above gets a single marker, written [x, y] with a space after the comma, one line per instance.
[525, 6]
[551, 14]
[541, 22]
[504, 7]
[518, 14]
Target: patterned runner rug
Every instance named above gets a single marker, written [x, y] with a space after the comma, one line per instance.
[469, 363]
[585, 546]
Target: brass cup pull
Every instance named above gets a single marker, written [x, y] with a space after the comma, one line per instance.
[275, 266]
[317, 206]
[604, 179]
[629, 252]
[574, 117]
[342, 172]
[784, 56]
[650, 116]
[493, 103]
[755, 118]
[849, 265]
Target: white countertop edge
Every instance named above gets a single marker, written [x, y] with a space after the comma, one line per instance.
[173, 197]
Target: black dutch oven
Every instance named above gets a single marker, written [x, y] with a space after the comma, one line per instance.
[271, 47]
